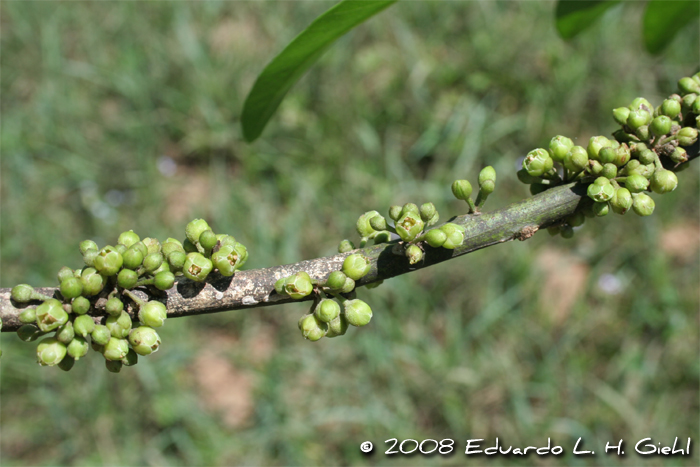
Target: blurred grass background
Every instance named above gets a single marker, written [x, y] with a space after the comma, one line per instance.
[124, 115]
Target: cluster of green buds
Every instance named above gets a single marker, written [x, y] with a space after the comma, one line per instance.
[621, 171]
[110, 274]
[462, 189]
[327, 318]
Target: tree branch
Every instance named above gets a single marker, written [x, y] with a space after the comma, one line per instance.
[255, 288]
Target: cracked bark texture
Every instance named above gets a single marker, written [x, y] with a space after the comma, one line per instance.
[255, 288]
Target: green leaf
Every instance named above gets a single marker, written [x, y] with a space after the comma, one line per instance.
[573, 16]
[663, 19]
[287, 67]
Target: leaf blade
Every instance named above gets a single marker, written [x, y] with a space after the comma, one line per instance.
[662, 21]
[574, 16]
[289, 65]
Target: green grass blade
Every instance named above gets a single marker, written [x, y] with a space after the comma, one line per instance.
[287, 67]
[663, 19]
[573, 16]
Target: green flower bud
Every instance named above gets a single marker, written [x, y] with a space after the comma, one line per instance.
[176, 260]
[487, 187]
[83, 325]
[394, 213]
[312, 328]
[71, 288]
[357, 312]
[622, 136]
[226, 239]
[65, 333]
[538, 162]
[559, 146]
[645, 171]
[384, 236]
[164, 267]
[621, 201]
[462, 189]
[24, 293]
[29, 333]
[363, 226]
[144, 340]
[671, 108]
[64, 273]
[595, 167]
[116, 349]
[378, 223]
[647, 157]
[427, 212]
[132, 258]
[128, 238]
[663, 181]
[66, 364]
[189, 247]
[336, 280]
[688, 85]
[127, 279]
[80, 305]
[435, 238]
[488, 174]
[345, 246]
[100, 335]
[620, 115]
[566, 231]
[408, 227]
[409, 207]
[114, 306]
[153, 314]
[337, 327]
[152, 245]
[153, 261]
[576, 159]
[114, 366]
[636, 183]
[108, 261]
[356, 266]
[349, 286]
[50, 315]
[120, 248]
[195, 228]
[606, 155]
[576, 219]
[609, 171]
[687, 136]
[601, 190]
[327, 310]
[78, 348]
[643, 205]
[298, 285]
[86, 245]
[526, 178]
[595, 144]
[141, 247]
[638, 118]
[171, 246]
[28, 316]
[50, 352]
[131, 358]
[600, 209]
[454, 235]
[679, 155]
[643, 133]
[119, 325]
[207, 240]
[641, 103]
[279, 285]
[661, 125]
[414, 254]
[197, 267]
[164, 280]
[89, 257]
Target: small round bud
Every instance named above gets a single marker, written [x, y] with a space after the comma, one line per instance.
[643, 133]
[414, 254]
[349, 286]
[152, 245]
[409, 226]
[378, 223]
[454, 235]
[80, 305]
[394, 212]
[279, 285]
[128, 238]
[357, 312]
[609, 171]
[28, 316]
[356, 266]
[144, 340]
[647, 156]
[71, 288]
[566, 231]
[312, 328]
[195, 228]
[688, 85]
[50, 352]
[410, 207]
[462, 189]
[559, 146]
[207, 239]
[78, 348]
[488, 174]
[345, 246]
[120, 248]
[100, 335]
[65, 333]
[363, 226]
[643, 205]
[606, 155]
[108, 261]
[197, 267]
[337, 327]
[119, 325]
[153, 314]
[663, 181]
[576, 159]
[86, 245]
[299, 285]
[132, 258]
[637, 119]
[164, 280]
[171, 245]
[601, 190]
[661, 125]
[22, 293]
[382, 237]
[671, 108]
[435, 238]
[127, 279]
[600, 209]
[620, 115]
[116, 349]
[153, 261]
[427, 211]
[336, 280]
[636, 183]
[595, 144]
[641, 103]
[113, 366]
[164, 267]
[595, 167]
[538, 162]
[327, 310]
[83, 325]
[50, 315]
[687, 136]
[114, 306]
[64, 273]
[621, 201]
[176, 260]
[679, 155]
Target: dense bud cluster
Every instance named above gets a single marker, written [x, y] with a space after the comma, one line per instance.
[622, 170]
[110, 274]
